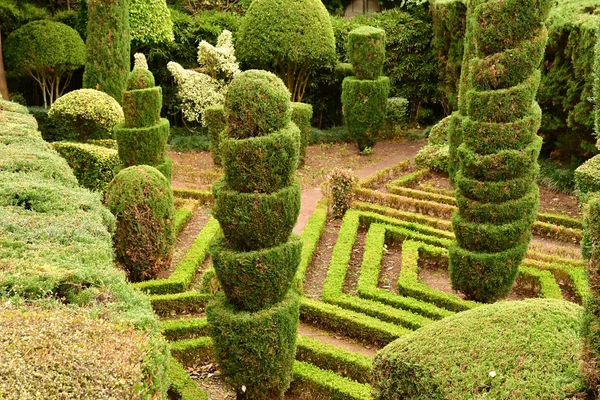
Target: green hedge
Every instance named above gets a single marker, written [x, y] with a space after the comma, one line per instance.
[256, 279]
[255, 350]
[94, 166]
[587, 179]
[142, 107]
[252, 221]
[301, 116]
[215, 121]
[366, 52]
[65, 229]
[149, 151]
[523, 350]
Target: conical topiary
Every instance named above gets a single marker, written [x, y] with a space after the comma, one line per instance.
[142, 138]
[254, 323]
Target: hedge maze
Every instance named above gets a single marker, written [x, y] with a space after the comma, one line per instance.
[400, 209]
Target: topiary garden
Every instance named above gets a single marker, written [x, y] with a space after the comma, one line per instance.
[201, 226]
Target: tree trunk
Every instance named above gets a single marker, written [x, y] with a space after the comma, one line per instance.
[3, 83]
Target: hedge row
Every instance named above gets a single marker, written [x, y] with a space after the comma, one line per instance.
[68, 232]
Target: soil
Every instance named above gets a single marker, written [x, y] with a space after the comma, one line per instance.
[339, 341]
[317, 269]
[390, 267]
[355, 263]
[558, 203]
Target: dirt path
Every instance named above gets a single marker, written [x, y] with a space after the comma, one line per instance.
[329, 338]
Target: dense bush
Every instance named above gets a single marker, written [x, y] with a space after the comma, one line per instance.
[94, 166]
[301, 115]
[364, 96]
[89, 113]
[143, 136]
[150, 22]
[396, 110]
[510, 350]
[339, 190]
[215, 121]
[141, 199]
[47, 220]
[435, 155]
[499, 82]
[107, 63]
[52, 129]
[254, 261]
[292, 38]
[48, 52]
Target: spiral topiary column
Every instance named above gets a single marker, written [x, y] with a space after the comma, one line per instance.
[301, 116]
[496, 191]
[254, 322]
[214, 117]
[142, 138]
[364, 96]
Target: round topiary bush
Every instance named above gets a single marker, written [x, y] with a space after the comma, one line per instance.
[509, 350]
[292, 37]
[141, 199]
[140, 78]
[257, 104]
[47, 51]
[90, 113]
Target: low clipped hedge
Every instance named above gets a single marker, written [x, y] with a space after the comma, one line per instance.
[255, 220]
[261, 164]
[56, 237]
[256, 279]
[255, 350]
[509, 350]
[94, 166]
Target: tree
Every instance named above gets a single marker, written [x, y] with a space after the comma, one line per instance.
[108, 47]
[47, 51]
[498, 146]
[289, 37]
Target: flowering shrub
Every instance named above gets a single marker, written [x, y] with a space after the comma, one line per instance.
[339, 190]
[206, 86]
[140, 61]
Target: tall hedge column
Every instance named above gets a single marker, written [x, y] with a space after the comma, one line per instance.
[143, 136]
[496, 191]
[254, 322]
[108, 47]
[364, 95]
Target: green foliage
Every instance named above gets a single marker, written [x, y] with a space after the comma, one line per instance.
[150, 22]
[257, 103]
[56, 237]
[339, 190]
[396, 110]
[216, 122]
[587, 179]
[493, 142]
[52, 129]
[301, 116]
[590, 356]
[250, 288]
[94, 166]
[48, 52]
[253, 221]
[90, 113]
[261, 164]
[255, 350]
[182, 384]
[557, 177]
[142, 201]
[366, 51]
[543, 335]
[291, 38]
[107, 60]
[365, 104]
[14, 13]
[143, 136]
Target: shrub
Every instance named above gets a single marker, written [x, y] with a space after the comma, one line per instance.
[366, 52]
[150, 22]
[257, 104]
[396, 110]
[523, 350]
[52, 130]
[590, 356]
[47, 51]
[339, 190]
[215, 121]
[498, 86]
[143, 136]
[257, 205]
[142, 201]
[94, 166]
[301, 116]
[90, 113]
[291, 38]
[107, 60]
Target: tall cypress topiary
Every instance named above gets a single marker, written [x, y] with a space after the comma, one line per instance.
[497, 158]
[364, 95]
[254, 322]
[108, 47]
[143, 136]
